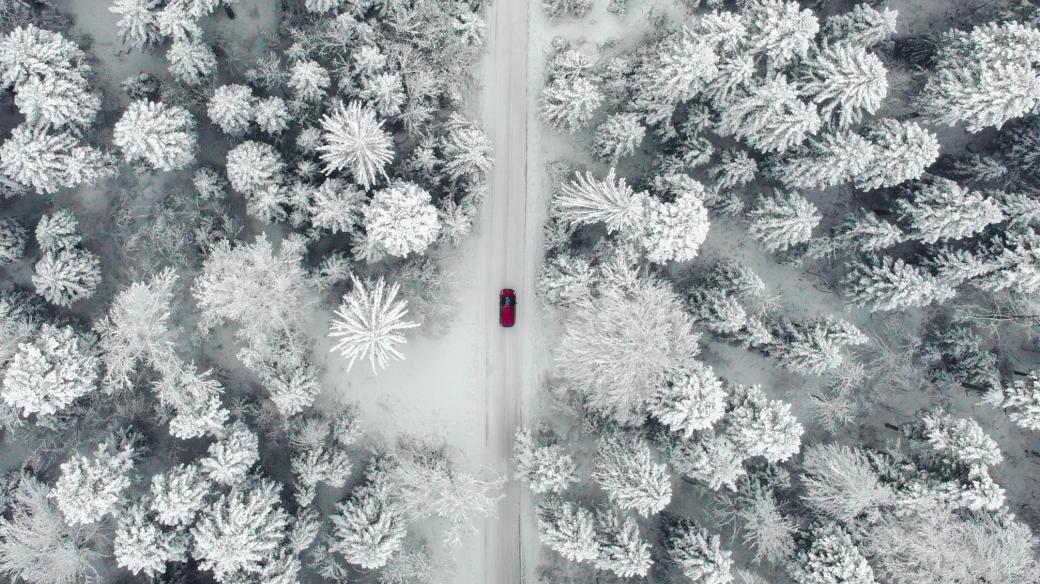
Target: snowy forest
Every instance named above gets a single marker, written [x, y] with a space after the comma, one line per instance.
[777, 261]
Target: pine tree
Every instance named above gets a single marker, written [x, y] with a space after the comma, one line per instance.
[670, 72]
[940, 209]
[783, 220]
[867, 232]
[959, 441]
[272, 117]
[561, 8]
[565, 280]
[91, 487]
[57, 101]
[13, 239]
[1014, 264]
[193, 62]
[368, 528]
[902, 152]
[176, 22]
[137, 24]
[984, 77]
[231, 108]
[368, 324]
[569, 103]
[238, 535]
[544, 464]
[587, 200]
[626, 470]
[253, 167]
[178, 494]
[136, 328]
[152, 132]
[622, 549]
[888, 283]
[770, 117]
[49, 372]
[229, 460]
[401, 220]
[567, 529]
[1021, 400]
[319, 6]
[617, 137]
[734, 168]
[336, 206]
[846, 81]
[691, 402]
[675, 231]
[466, 150]
[713, 459]
[863, 26]
[318, 464]
[66, 276]
[385, 94]
[698, 553]
[37, 545]
[354, 139]
[33, 52]
[780, 30]
[46, 161]
[308, 80]
[719, 312]
[830, 556]
[142, 547]
[841, 483]
[623, 344]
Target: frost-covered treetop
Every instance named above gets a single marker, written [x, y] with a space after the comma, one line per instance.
[354, 140]
[586, 200]
[369, 324]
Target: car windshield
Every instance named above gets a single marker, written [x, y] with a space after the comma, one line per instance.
[507, 301]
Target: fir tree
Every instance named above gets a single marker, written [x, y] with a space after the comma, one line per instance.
[841, 483]
[229, 460]
[91, 487]
[940, 209]
[253, 167]
[782, 221]
[368, 324]
[830, 556]
[57, 101]
[617, 137]
[1021, 400]
[902, 152]
[569, 103]
[178, 494]
[542, 462]
[368, 528]
[47, 161]
[152, 132]
[690, 403]
[13, 239]
[781, 30]
[770, 117]
[272, 116]
[193, 62]
[670, 72]
[626, 470]
[846, 82]
[67, 275]
[863, 26]
[762, 427]
[49, 372]
[830, 160]
[308, 80]
[231, 108]
[400, 220]
[888, 283]
[568, 529]
[142, 547]
[734, 168]
[698, 554]
[622, 549]
[674, 231]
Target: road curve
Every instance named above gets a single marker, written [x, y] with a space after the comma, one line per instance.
[504, 113]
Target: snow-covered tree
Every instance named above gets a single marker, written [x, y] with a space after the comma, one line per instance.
[176, 22]
[231, 108]
[385, 93]
[337, 206]
[734, 168]
[561, 8]
[841, 483]
[163, 136]
[617, 137]
[672, 71]
[698, 553]
[846, 81]
[568, 529]
[569, 103]
[368, 528]
[37, 545]
[690, 402]
[229, 460]
[829, 556]
[46, 161]
[866, 232]
[137, 23]
[622, 549]
[58, 230]
[193, 62]
[627, 471]
[621, 346]
[770, 117]
[674, 231]
[67, 275]
[813, 347]
[466, 150]
[91, 487]
[178, 494]
[50, 371]
[781, 30]
[272, 116]
[984, 77]
[888, 283]
[13, 239]
[545, 464]
[783, 220]
[253, 167]
[940, 209]
[239, 535]
[33, 52]
[354, 140]
[762, 427]
[1021, 400]
[308, 80]
[863, 26]
[57, 101]
[319, 6]
[315, 464]
[586, 200]
[902, 152]
[369, 323]
[142, 547]
[400, 220]
[713, 459]
[959, 440]
[136, 328]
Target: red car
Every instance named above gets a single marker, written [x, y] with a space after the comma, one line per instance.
[507, 307]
